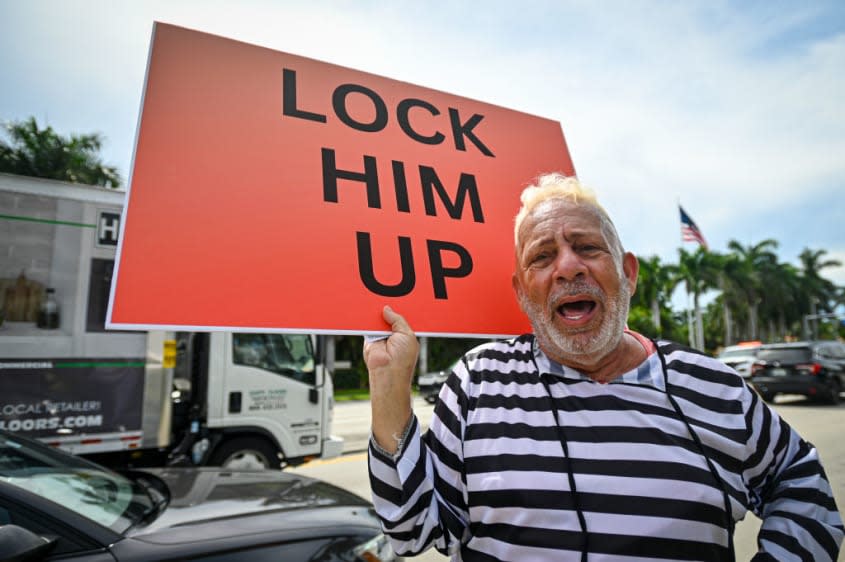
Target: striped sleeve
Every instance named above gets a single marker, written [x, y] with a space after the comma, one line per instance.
[764, 463]
[419, 494]
[789, 491]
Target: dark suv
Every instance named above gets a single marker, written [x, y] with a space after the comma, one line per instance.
[815, 369]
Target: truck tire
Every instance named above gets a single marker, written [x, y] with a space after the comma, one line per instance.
[246, 453]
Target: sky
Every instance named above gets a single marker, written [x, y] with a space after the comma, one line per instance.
[734, 110]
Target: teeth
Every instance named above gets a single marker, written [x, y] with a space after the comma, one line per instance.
[577, 310]
[570, 314]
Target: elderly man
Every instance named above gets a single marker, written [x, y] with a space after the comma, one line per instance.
[585, 440]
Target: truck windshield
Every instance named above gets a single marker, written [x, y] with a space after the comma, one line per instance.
[290, 355]
[90, 490]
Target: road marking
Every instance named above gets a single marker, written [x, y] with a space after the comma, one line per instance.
[342, 458]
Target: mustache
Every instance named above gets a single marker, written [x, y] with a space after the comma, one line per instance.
[575, 288]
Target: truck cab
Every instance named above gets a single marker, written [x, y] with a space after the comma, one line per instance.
[258, 399]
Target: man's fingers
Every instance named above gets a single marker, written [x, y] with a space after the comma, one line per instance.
[398, 351]
[374, 353]
[397, 322]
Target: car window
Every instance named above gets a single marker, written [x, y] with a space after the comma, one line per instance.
[98, 494]
[832, 350]
[791, 355]
[67, 540]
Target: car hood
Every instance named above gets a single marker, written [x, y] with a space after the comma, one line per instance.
[248, 502]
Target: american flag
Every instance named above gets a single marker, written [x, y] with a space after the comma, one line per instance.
[689, 231]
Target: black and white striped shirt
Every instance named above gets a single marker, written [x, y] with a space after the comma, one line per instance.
[493, 478]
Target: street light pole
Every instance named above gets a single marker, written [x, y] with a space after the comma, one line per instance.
[806, 322]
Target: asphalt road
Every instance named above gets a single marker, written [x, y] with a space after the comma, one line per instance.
[821, 425]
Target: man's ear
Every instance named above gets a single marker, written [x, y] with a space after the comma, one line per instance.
[631, 269]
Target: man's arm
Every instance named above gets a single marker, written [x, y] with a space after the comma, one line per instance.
[390, 363]
[417, 495]
[790, 493]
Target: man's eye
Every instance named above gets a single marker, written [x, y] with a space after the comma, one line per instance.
[588, 248]
[539, 258]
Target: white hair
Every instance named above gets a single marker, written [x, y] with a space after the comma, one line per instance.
[557, 186]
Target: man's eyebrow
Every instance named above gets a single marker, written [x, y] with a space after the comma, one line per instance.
[544, 239]
[538, 242]
[584, 233]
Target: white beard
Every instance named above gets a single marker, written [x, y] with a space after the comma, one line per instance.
[584, 348]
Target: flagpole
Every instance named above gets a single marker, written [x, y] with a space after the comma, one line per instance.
[690, 323]
[690, 232]
[681, 232]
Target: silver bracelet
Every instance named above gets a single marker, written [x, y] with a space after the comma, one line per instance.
[400, 441]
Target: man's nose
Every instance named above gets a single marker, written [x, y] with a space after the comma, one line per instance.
[569, 265]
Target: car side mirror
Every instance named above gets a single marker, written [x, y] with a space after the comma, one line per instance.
[19, 544]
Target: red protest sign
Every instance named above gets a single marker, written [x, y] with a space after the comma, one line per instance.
[275, 192]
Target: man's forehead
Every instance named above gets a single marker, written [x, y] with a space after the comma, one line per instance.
[555, 214]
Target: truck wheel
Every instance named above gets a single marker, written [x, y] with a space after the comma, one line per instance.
[246, 453]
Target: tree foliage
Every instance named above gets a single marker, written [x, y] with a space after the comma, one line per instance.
[758, 297]
[43, 153]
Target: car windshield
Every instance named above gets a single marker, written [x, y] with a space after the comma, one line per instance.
[76, 484]
[791, 355]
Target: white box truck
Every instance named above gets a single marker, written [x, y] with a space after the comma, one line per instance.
[132, 398]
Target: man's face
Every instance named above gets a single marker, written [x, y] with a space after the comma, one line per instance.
[568, 284]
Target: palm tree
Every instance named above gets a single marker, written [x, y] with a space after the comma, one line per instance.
[754, 259]
[780, 307]
[698, 271]
[733, 277]
[821, 294]
[653, 289]
[43, 153]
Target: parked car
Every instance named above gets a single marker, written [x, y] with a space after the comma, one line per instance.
[430, 383]
[740, 357]
[54, 506]
[815, 369]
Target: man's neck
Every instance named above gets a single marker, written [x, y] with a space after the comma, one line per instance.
[627, 354]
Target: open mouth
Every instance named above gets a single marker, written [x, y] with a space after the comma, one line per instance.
[576, 310]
